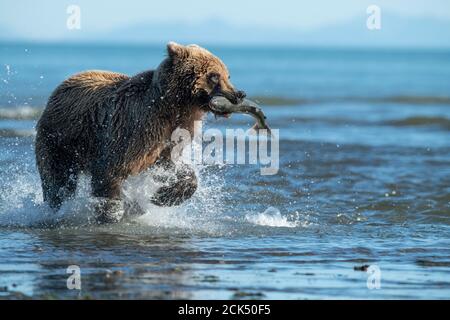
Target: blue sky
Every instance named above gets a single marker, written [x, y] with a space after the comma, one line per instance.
[46, 19]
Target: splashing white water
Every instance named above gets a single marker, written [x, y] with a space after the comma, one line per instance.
[271, 217]
[21, 202]
[197, 214]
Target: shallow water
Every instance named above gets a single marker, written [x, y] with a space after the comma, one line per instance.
[361, 182]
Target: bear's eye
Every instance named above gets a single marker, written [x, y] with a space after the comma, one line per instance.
[214, 78]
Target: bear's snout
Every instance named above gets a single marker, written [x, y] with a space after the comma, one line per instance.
[240, 95]
[234, 97]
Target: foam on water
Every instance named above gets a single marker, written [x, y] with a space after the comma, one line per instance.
[272, 217]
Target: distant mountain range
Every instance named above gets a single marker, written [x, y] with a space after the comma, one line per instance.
[396, 31]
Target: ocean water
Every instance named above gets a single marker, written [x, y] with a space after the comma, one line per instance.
[364, 180]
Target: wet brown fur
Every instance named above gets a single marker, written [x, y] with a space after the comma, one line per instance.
[112, 126]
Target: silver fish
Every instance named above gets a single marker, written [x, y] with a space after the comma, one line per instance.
[221, 105]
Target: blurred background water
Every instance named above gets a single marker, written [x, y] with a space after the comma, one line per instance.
[364, 179]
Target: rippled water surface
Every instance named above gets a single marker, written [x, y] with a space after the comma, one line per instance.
[364, 179]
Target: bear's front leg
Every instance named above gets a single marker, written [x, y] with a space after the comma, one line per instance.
[181, 185]
[109, 206]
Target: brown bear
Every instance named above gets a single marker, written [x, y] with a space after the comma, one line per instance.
[112, 126]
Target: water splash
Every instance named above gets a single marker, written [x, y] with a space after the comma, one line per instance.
[200, 213]
[21, 204]
[21, 201]
[272, 217]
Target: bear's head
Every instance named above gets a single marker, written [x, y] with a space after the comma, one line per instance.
[197, 75]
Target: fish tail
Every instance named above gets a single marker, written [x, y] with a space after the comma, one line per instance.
[257, 127]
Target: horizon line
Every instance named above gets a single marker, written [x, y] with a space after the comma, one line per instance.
[229, 44]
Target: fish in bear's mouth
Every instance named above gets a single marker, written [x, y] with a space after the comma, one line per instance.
[222, 106]
[220, 113]
[214, 109]
[219, 109]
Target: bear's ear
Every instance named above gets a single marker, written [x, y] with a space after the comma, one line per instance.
[175, 50]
